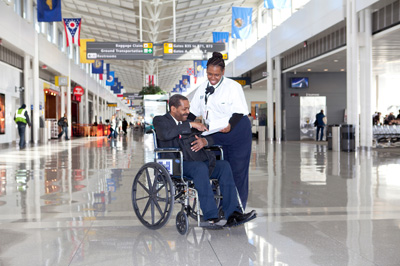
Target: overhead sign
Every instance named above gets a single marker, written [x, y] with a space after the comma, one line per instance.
[133, 96]
[78, 91]
[192, 51]
[243, 80]
[112, 104]
[61, 81]
[119, 50]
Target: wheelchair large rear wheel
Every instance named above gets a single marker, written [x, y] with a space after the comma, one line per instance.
[153, 195]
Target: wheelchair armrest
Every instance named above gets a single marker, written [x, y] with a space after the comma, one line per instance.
[167, 149]
[149, 131]
[213, 148]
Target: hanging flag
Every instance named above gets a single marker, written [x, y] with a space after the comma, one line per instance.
[199, 67]
[186, 81]
[98, 67]
[73, 30]
[82, 51]
[107, 70]
[110, 78]
[278, 4]
[190, 71]
[241, 22]
[48, 10]
[220, 36]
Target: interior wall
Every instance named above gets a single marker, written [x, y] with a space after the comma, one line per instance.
[9, 79]
[331, 85]
[389, 95]
[255, 96]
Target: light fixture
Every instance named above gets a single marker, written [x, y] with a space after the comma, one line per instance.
[342, 69]
[335, 60]
[309, 69]
[325, 69]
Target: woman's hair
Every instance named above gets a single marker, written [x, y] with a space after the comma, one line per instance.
[216, 60]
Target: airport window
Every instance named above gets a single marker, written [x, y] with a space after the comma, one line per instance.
[25, 9]
[50, 31]
[18, 7]
[36, 24]
[60, 40]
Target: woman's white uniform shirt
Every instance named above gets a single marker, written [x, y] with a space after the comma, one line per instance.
[228, 98]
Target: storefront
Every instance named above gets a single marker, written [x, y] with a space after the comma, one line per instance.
[52, 109]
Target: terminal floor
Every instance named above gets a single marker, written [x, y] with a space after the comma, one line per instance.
[69, 203]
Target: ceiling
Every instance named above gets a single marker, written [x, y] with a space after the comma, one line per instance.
[119, 21]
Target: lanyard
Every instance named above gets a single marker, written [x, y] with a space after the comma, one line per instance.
[210, 90]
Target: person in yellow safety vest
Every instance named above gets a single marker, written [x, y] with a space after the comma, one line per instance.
[21, 117]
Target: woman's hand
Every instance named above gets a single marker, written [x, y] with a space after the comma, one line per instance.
[227, 129]
[199, 126]
[198, 144]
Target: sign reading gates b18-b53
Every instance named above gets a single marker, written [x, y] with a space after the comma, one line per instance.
[192, 51]
[119, 50]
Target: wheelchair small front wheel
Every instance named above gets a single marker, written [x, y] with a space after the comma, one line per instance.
[182, 223]
[153, 195]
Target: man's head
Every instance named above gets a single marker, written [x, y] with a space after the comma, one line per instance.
[23, 106]
[322, 111]
[65, 115]
[215, 68]
[179, 107]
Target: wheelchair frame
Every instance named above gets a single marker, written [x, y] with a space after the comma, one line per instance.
[177, 189]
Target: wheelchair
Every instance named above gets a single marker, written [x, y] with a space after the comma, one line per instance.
[160, 184]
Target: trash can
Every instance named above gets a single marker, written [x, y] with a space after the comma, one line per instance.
[347, 133]
[329, 136]
[261, 132]
[336, 137]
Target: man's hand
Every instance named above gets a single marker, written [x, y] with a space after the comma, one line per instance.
[198, 144]
[198, 126]
[227, 129]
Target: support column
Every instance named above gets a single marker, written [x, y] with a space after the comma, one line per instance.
[366, 80]
[36, 91]
[68, 99]
[27, 90]
[97, 104]
[87, 95]
[270, 86]
[352, 69]
[278, 94]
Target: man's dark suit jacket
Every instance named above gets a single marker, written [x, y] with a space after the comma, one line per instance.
[168, 133]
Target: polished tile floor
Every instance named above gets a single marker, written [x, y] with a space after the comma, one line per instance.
[69, 203]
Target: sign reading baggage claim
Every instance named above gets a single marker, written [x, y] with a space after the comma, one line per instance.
[119, 50]
[192, 51]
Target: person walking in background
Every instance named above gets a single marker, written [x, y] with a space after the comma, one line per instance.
[63, 123]
[124, 126]
[21, 117]
[112, 128]
[321, 123]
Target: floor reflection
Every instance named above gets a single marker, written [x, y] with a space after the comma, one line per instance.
[69, 203]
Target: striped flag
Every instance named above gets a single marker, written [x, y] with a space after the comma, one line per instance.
[73, 30]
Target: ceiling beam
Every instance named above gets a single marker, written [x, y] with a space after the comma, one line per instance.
[103, 18]
[199, 8]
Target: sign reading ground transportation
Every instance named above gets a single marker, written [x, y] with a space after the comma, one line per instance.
[192, 51]
[119, 50]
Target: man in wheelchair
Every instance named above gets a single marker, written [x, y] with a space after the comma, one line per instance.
[174, 130]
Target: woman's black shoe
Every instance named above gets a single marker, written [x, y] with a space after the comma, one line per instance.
[238, 218]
